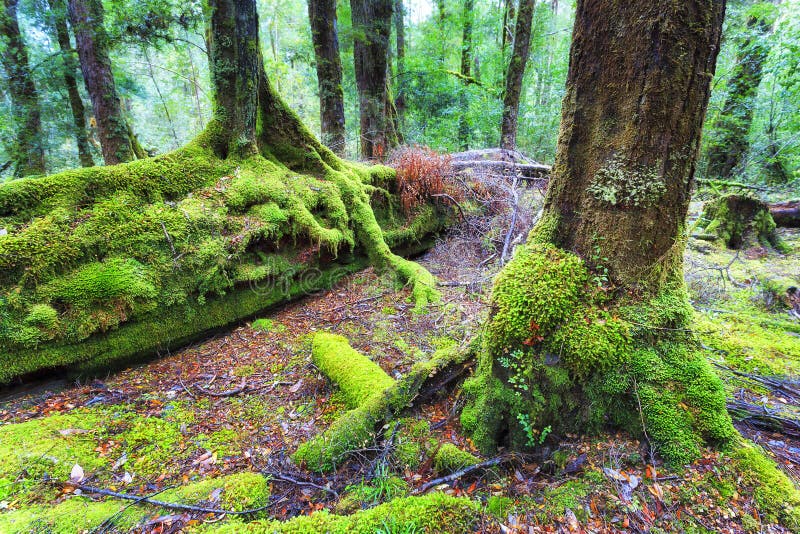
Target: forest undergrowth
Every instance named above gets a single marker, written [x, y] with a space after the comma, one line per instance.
[214, 426]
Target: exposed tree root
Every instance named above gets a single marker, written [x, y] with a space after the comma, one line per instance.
[357, 427]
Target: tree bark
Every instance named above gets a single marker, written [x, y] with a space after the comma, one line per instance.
[626, 155]
[466, 63]
[589, 322]
[70, 65]
[371, 28]
[515, 74]
[92, 43]
[400, 35]
[27, 151]
[324, 34]
[729, 145]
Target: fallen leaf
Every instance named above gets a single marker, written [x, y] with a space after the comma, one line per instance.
[77, 474]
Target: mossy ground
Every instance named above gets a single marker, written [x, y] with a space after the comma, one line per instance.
[286, 402]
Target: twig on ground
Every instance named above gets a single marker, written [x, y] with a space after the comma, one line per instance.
[460, 473]
[171, 505]
[227, 393]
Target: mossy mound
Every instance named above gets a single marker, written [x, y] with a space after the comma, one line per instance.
[242, 491]
[431, 513]
[449, 459]
[740, 221]
[561, 356]
[95, 260]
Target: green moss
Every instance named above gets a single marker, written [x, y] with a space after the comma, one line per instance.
[80, 514]
[777, 497]
[411, 438]
[116, 246]
[560, 356]
[499, 506]
[223, 442]
[358, 377]
[449, 459]
[356, 428]
[429, 513]
[570, 495]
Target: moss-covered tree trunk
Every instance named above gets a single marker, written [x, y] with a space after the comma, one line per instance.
[92, 43]
[70, 66]
[589, 320]
[729, 144]
[372, 24]
[26, 151]
[324, 34]
[515, 74]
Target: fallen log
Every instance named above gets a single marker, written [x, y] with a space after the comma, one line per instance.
[528, 171]
[786, 214]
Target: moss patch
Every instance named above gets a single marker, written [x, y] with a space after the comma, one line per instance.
[430, 513]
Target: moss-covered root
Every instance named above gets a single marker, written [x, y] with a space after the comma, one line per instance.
[356, 428]
[429, 513]
[370, 235]
[358, 377]
[777, 497]
[740, 221]
[561, 356]
[242, 491]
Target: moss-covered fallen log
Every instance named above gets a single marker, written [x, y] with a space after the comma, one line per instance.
[102, 265]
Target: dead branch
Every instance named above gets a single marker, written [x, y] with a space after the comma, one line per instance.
[460, 473]
[227, 393]
[286, 478]
[163, 504]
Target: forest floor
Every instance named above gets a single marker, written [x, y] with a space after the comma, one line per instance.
[243, 401]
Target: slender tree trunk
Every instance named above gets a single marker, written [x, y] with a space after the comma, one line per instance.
[589, 321]
[27, 152]
[729, 146]
[324, 34]
[466, 64]
[400, 35]
[92, 43]
[515, 74]
[59, 9]
[371, 27]
[507, 30]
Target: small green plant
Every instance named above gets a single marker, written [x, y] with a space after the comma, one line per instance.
[598, 261]
[516, 370]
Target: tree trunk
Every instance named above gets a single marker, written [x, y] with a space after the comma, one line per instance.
[27, 152]
[729, 144]
[400, 35]
[588, 324]
[515, 74]
[59, 10]
[371, 27]
[324, 34]
[466, 63]
[92, 43]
